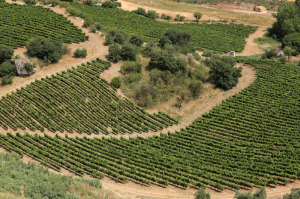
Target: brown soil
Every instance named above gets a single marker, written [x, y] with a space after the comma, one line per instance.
[251, 47]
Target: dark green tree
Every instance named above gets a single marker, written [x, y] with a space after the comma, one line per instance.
[200, 194]
[129, 52]
[6, 53]
[114, 53]
[136, 40]
[116, 82]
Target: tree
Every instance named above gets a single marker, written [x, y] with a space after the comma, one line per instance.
[151, 14]
[136, 40]
[111, 4]
[6, 80]
[88, 22]
[7, 69]
[182, 97]
[114, 53]
[269, 53]
[30, 2]
[166, 61]
[200, 194]
[44, 49]
[88, 2]
[116, 82]
[288, 51]
[195, 88]
[292, 40]
[6, 53]
[29, 67]
[120, 38]
[140, 11]
[223, 73]
[129, 52]
[198, 16]
[295, 192]
[80, 53]
[260, 194]
[131, 67]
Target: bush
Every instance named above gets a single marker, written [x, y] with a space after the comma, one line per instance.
[223, 73]
[88, 22]
[110, 4]
[195, 87]
[6, 53]
[179, 18]
[44, 49]
[200, 194]
[131, 67]
[293, 41]
[98, 26]
[261, 194]
[7, 69]
[208, 53]
[73, 11]
[66, 50]
[269, 53]
[93, 29]
[88, 2]
[63, 4]
[140, 11]
[166, 17]
[116, 82]
[151, 14]
[120, 38]
[132, 77]
[6, 80]
[29, 67]
[295, 194]
[114, 53]
[30, 2]
[80, 53]
[53, 2]
[129, 52]
[136, 40]
[198, 15]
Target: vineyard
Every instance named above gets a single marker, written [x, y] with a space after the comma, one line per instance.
[77, 100]
[251, 139]
[218, 37]
[18, 24]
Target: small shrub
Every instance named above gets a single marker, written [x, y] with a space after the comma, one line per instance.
[30, 2]
[116, 82]
[6, 80]
[295, 194]
[208, 53]
[152, 14]
[88, 22]
[98, 26]
[88, 2]
[111, 4]
[140, 11]
[200, 194]
[53, 2]
[63, 4]
[93, 29]
[166, 17]
[29, 67]
[73, 11]
[179, 18]
[66, 50]
[80, 53]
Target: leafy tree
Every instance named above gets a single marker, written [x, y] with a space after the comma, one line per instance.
[269, 53]
[116, 82]
[166, 17]
[88, 2]
[151, 14]
[29, 67]
[6, 53]
[195, 88]
[80, 53]
[136, 40]
[129, 52]
[6, 80]
[73, 11]
[164, 41]
[260, 194]
[295, 193]
[88, 22]
[7, 69]
[114, 53]
[200, 194]
[288, 51]
[30, 2]
[131, 67]
[223, 73]
[182, 97]
[288, 20]
[111, 4]
[292, 40]
[165, 61]
[198, 15]
[44, 49]
[140, 11]
[93, 29]
[98, 26]
[179, 18]
[120, 38]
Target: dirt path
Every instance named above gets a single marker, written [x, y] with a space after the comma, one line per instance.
[95, 48]
[251, 47]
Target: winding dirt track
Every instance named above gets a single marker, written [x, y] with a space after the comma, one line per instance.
[96, 48]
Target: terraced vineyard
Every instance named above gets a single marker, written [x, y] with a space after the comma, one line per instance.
[218, 37]
[77, 100]
[251, 139]
[20, 23]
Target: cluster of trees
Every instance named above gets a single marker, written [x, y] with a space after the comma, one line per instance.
[222, 72]
[7, 67]
[287, 28]
[111, 4]
[46, 50]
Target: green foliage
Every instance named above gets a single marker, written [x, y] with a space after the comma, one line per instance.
[140, 11]
[98, 26]
[93, 29]
[129, 52]
[80, 53]
[88, 22]
[260, 194]
[198, 15]
[208, 53]
[114, 53]
[7, 69]
[120, 38]
[30, 2]
[165, 61]
[195, 87]
[179, 18]
[116, 82]
[6, 53]
[218, 37]
[44, 49]
[25, 22]
[151, 14]
[111, 4]
[295, 193]
[200, 194]
[288, 20]
[89, 2]
[136, 40]
[73, 11]
[166, 17]
[269, 53]
[235, 145]
[223, 73]
[53, 2]
[29, 67]
[293, 41]
[6, 80]
[131, 67]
